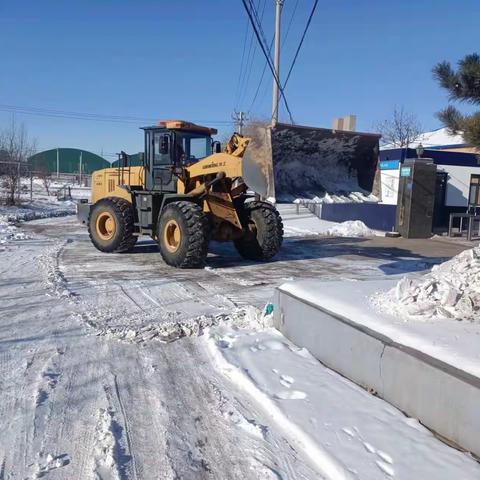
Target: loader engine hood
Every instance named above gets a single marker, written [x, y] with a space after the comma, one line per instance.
[291, 161]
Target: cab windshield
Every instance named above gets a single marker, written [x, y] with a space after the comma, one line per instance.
[191, 147]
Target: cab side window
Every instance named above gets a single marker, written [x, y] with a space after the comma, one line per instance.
[158, 157]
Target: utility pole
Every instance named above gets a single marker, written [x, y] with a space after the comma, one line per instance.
[81, 166]
[276, 61]
[240, 119]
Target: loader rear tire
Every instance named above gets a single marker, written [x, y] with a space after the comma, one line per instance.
[183, 235]
[263, 231]
[111, 225]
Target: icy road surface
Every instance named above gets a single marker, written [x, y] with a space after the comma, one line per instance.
[87, 390]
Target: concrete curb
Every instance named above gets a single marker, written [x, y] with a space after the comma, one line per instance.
[444, 398]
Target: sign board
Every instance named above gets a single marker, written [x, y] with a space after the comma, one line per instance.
[389, 164]
[405, 171]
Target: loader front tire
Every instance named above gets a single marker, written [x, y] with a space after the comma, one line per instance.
[263, 231]
[111, 225]
[183, 235]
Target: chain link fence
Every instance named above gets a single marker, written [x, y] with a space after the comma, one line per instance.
[18, 182]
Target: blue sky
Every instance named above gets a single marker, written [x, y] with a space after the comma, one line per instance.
[181, 59]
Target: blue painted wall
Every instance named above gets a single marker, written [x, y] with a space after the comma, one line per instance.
[439, 157]
[374, 215]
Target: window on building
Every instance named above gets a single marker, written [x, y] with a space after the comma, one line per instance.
[474, 196]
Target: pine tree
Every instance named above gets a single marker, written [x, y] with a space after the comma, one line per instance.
[463, 85]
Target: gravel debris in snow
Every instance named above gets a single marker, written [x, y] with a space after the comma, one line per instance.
[450, 290]
[169, 331]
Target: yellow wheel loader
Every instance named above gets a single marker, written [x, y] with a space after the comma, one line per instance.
[186, 193]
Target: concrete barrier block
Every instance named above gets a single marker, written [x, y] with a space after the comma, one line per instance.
[444, 397]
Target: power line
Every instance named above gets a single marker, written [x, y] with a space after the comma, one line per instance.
[245, 67]
[263, 71]
[252, 21]
[258, 22]
[241, 62]
[261, 78]
[290, 23]
[126, 119]
[250, 67]
[301, 42]
[259, 86]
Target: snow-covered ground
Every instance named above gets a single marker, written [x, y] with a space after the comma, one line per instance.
[10, 216]
[451, 341]
[40, 205]
[105, 373]
[341, 430]
[57, 187]
[304, 223]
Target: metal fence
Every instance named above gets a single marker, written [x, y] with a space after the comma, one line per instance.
[23, 176]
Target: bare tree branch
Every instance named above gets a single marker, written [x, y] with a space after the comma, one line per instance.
[15, 150]
[401, 130]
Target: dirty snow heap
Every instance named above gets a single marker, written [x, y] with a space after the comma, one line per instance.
[450, 290]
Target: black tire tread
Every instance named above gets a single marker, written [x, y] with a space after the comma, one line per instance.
[197, 227]
[248, 246]
[124, 211]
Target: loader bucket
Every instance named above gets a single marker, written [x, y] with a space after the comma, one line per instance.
[290, 161]
[257, 169]
[309, 162]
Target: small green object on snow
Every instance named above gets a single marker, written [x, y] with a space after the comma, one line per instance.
[268, 309]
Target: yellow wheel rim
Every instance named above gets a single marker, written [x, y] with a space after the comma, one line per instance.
[172, 236]
[106, 226]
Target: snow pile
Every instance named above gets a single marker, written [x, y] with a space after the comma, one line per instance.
[450, 290]
[36, 210]
[151, 327]
[54, 279]
[9, 232]
[49, 463]
[351, 228]
[352, 197]
[106, 448]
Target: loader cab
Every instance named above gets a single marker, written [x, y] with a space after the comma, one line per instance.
[170, 146]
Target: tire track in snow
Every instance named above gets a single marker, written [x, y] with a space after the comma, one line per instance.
[127, 428]
[114, 455]
[105, 454]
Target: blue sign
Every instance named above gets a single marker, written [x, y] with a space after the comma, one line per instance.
[389, 164]
[405, 171]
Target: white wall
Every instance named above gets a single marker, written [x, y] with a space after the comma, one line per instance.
[458, 184]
